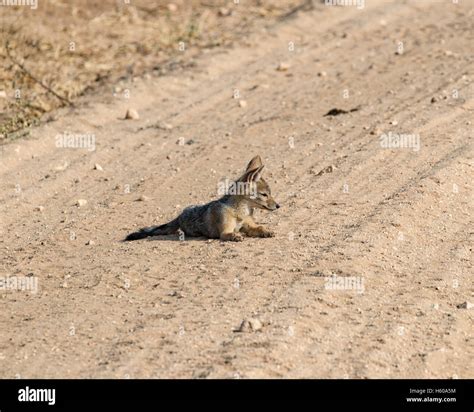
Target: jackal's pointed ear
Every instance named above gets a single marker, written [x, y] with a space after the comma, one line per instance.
[252, 175]
[255, 163]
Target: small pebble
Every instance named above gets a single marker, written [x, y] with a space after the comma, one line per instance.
[250, 325]
[465, 305]
[62, 167]
[283, 67]
[327, 169]
[132, 114]
[223, 12]
[81, 202]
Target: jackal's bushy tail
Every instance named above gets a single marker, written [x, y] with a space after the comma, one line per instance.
[166, 229]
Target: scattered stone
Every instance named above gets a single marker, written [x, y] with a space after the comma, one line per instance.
[327, 169]
[132, 114]
[3, 94]
[90, 243]
[39, 208]
[394, 123]
[322, 74]
[242, 103]
[434, 99]
[172, 7]
[283, 67]
[250, 325]
[143, 198]
[375, 131]
[98, 167]
[62, 167]
[81, 202]
[223, 12]
[465, 305]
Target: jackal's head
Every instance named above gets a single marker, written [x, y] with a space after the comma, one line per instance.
[258, 193]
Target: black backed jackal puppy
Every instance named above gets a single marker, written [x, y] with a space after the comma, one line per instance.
[226, 218]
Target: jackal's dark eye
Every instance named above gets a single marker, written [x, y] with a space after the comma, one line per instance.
[263, 195]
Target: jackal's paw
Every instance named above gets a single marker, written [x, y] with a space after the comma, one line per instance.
[232, 237]
[267, 233]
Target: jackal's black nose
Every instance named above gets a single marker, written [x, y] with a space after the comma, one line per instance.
[277, 206]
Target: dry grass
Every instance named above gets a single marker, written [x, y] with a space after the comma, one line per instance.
[54, 54]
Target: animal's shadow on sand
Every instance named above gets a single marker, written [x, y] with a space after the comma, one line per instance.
[175, 238]
[170, 238]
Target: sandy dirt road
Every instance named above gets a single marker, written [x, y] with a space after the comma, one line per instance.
[396, 222]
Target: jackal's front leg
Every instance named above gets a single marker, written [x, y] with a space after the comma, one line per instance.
[227, 230]
[250, 228]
